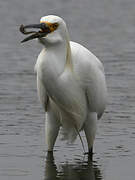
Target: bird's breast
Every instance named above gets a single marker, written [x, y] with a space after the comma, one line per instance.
[68, 95]
[63, 88]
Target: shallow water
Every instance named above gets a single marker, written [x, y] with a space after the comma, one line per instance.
[105, 27]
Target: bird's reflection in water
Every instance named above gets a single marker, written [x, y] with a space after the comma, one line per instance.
[78, 171]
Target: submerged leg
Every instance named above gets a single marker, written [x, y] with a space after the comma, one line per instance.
[90, 131]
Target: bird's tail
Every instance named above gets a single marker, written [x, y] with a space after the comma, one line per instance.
[80, 138]
[71, 134]
[71, 127]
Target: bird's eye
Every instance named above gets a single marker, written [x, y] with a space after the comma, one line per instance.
[55, 25]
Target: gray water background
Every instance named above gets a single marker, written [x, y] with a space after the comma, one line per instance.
[107, 28]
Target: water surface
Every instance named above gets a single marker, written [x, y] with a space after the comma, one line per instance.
[105, 27]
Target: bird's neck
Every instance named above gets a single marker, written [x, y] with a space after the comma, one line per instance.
[58, 58]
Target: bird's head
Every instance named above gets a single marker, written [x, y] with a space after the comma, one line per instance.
[51, 29]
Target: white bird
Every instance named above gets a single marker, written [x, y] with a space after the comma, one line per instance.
[70, 82]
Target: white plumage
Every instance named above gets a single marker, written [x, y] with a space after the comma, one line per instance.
[71, 85]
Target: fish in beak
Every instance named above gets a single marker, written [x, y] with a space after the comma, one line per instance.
[44, 30]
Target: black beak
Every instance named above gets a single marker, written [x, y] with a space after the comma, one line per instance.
[44, 30]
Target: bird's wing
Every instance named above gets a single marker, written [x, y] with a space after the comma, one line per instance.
[90, 71]
[43, 97]
[96, 92]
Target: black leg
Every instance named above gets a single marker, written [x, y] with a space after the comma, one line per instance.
[49, 153]
[90, 153]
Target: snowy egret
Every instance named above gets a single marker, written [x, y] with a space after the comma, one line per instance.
[70, 82]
